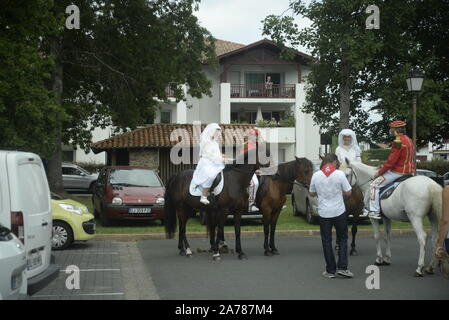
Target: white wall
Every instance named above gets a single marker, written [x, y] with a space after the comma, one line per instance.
[97, 135]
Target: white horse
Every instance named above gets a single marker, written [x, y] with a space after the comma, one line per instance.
[412, 200]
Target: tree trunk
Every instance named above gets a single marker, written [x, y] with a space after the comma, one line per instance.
[55, 161]
[345, 94]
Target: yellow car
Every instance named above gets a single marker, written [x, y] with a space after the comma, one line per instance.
[71, 222]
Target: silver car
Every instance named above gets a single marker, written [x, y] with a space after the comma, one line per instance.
[302, 203]
[13, 264]
[75, 178]
[446, 178]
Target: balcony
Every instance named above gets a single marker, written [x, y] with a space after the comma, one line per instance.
[275, 91]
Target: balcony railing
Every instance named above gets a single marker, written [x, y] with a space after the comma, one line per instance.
[263, 91]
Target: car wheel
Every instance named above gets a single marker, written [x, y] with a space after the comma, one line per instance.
[294, 208]
[62, 235]
[311, 219]
[96, 215]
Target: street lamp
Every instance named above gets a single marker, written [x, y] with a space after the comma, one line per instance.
[414, 83]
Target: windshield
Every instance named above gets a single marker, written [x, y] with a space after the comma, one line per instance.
[134, 178]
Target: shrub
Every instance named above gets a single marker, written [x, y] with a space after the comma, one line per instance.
[440, 167]
[375, 154]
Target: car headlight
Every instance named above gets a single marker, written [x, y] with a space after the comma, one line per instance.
[117, 201]
[71, 208]
[160, 201]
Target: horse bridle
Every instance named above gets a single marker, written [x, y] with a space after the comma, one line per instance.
[355, 174]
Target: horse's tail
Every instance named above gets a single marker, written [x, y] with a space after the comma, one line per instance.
[437, 202]
[170, 219]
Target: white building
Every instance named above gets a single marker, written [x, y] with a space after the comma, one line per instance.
[241, 94]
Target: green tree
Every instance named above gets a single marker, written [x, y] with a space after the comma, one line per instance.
[27, 107]
[355, 64]
[125, 54]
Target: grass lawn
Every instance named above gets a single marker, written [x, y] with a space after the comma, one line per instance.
[286, 222]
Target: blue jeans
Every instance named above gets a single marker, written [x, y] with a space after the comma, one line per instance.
[341, 227]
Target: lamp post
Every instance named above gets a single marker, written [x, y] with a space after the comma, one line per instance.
[414, 83]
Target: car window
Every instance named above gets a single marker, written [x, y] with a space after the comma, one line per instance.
[134, 177]
[71, 171]
[83, 171]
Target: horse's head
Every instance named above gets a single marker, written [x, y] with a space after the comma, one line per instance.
[303, 170]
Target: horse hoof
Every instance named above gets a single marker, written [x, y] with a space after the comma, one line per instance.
[242, 256]
[385, 263]
[182, 253]
[418, 275]
[223, 250]
[216, 258]
[353, 253]
[429, 271]
[378, 263]
[268, 253]
[275, 252]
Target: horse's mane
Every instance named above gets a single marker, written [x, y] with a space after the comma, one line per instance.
[286, 171]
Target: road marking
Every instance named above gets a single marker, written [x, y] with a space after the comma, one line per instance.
[90, 270]
[81, 294]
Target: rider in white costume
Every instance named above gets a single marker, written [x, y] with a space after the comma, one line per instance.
[348, 146]
[211, 160]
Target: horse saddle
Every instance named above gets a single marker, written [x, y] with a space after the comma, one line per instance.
[216, 188]
[386, 191]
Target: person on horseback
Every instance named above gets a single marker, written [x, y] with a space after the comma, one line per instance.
[211, 160]
[348, 148]
[400, 162]
[248, 145]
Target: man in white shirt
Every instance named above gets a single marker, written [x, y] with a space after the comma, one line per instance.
[330, 184]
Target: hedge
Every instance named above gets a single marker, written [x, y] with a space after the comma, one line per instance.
[440, 167]
[377, 154]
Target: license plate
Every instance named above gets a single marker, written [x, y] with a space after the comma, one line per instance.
[34, 261]
[139, 210]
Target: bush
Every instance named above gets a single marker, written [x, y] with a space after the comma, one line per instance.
[440, 167]
[375, 154]
[288, 120]
[91, 167]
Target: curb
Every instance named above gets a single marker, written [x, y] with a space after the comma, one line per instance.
[244, 234]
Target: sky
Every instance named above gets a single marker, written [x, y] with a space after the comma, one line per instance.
[240, 20]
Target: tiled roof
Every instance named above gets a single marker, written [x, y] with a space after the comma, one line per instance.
[222, 46]
[158, 135]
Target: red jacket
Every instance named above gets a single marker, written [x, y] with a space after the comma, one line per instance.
[401, 159]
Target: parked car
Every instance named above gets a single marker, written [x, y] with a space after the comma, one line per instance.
[13, 264]
[72, 221]
[25, 209]
[128, 193]
[75, 178]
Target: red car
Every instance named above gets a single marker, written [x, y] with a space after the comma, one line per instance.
[128, 193]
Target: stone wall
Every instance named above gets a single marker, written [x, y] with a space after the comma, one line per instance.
[144, 158]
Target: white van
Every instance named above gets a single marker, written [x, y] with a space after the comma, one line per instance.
[13, 264]
[26, 210]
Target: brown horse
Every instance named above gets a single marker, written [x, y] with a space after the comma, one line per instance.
[271, 195]
[181, 205]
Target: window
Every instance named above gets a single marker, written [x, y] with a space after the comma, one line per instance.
[134, 177]
[165, 117]
[71, 171]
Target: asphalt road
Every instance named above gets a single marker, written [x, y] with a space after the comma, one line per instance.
[295, 274]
